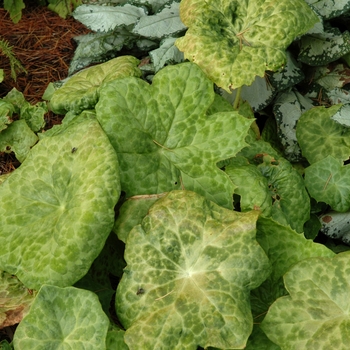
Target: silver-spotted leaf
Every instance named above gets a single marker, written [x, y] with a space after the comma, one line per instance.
[95, 47]
[321, 49]
[190, 267]
[234, 41]
[330, 8]
[167, 53]
[328, 181]
[287, 108]
[63, 319]
[331, 76]
[259, 94]
[103, 18]
[336, 225]
[57, 208]
[319, 135]
[164, 23]
[163, 136]
[81, 90]
[315, 316]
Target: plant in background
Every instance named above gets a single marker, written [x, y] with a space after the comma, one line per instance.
[7, 51]
[61, 7]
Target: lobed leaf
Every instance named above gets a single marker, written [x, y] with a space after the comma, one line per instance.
[327, 181]
[63, 319]
[57, 208]
[80, 91]
[237, 40]
[316, 313]
[163, 136]
[190, 267]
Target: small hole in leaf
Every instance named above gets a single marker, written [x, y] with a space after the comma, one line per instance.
[8, 148]
[175, 183]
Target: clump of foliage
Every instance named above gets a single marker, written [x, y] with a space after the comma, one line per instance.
[214, 241]
[61, 7]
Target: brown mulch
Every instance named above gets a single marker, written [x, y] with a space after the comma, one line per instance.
[43, 42]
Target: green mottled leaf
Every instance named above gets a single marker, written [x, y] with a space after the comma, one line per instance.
[4, 177]
[287, 108]
[57, 208]
[16, 98]
[167, 53]
[34, 115]
[164, 23]
[252, 186]
[321, 49]
[190, 267]
[115, 339]
[163, 137]
[285, 186]
[15, 300]
[319, 135]
[17, 138]
[285, 247]
[316, 313]
[328, 181]
[330, 8]
[64, 319]
[237, 40]
[6, 110]
[81, 90]
[259, 341]
[288, 192]
[2, 75]
[105, 18]
[132, 212]
[5, 345]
